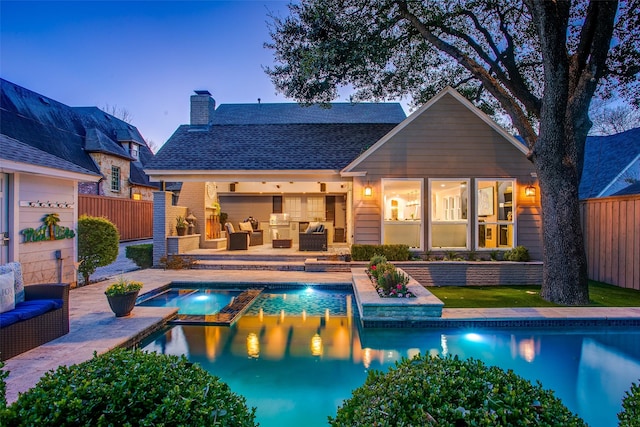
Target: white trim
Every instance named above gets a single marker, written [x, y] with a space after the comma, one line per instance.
[622, 172]
[9, 166]
[464, 101]
[244, 175]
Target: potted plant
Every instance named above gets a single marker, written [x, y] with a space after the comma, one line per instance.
[122, 296]
[181, 225]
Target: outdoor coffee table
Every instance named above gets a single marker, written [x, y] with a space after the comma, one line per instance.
[281, 243]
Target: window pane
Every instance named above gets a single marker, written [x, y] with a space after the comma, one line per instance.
[115, 178]
[449, 213]
[402, 212]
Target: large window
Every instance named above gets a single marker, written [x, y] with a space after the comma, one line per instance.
[115, 179]
[402, 212]
[449, 213]
[495, 213]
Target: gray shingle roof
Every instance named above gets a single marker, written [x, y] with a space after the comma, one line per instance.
[267, 147]
[604, 158]
[292, 113]
[68, 133]
[16, 151]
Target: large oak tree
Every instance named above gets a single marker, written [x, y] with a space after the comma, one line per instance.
[537, 63]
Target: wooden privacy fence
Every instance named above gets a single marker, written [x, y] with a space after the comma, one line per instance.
[133, 218]
[611, 227]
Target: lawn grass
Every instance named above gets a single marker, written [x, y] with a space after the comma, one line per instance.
[600, 295]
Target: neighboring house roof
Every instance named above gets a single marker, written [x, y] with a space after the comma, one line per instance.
[292, 113]
[267, 147]
[606, 160]
[14, 151]
[446, 91]
[68, 133]
[629, 190]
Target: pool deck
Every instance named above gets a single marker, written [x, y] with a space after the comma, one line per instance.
[94, 328]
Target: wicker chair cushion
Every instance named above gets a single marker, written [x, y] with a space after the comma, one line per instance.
[245, 226]
[28, 309]
[17, 277]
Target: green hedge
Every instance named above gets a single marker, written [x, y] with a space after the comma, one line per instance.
[142, 255]
[390, 252]
[630, 415]
[449, 391]
[129, 388]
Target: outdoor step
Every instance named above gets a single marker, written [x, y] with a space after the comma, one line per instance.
[249, 265]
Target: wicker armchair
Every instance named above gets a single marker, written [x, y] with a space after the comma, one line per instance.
[315, 241]
[31, 333]
[236, 240]
[255, 236]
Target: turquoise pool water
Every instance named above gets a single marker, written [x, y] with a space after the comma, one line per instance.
[192, 301]
[297, 354]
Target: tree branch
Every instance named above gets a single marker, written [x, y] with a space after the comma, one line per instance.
[492, 85]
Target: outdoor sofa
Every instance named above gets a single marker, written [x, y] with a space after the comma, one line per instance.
[42, 316]
[314, 238]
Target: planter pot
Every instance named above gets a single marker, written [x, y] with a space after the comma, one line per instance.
[182, 231]
[121, 305]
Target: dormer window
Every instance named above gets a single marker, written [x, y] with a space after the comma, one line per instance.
[133, 151]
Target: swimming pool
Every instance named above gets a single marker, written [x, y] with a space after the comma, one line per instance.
[297, 354]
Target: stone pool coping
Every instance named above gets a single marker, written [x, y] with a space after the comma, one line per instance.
[373, 308]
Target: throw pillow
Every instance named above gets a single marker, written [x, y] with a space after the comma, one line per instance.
[18, 280]
[230, 229]
[245, 226]
[7, 292]
[313, 227]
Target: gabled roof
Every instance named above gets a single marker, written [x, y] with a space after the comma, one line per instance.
[293, 113]
[606, 158]
[446, 91]
[266, 147]
[68, 133]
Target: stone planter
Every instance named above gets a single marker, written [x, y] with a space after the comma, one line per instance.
[123, 304]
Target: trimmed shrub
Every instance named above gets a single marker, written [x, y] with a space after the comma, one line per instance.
[630, 415]
[391, 252]
[142, 255]
[451, 392]
[98, 241]
[130, 388]
[518, 254]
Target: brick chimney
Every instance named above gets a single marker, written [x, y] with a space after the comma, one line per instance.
[202, 108]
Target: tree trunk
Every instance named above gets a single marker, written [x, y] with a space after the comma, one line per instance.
[565, 278]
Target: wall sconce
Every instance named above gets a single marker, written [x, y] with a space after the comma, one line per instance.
[368, 191]
[530, 191]
[137, 196]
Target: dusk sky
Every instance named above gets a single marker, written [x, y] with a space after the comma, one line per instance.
[144, 56]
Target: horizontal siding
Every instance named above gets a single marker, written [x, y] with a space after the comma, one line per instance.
[448, 140]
